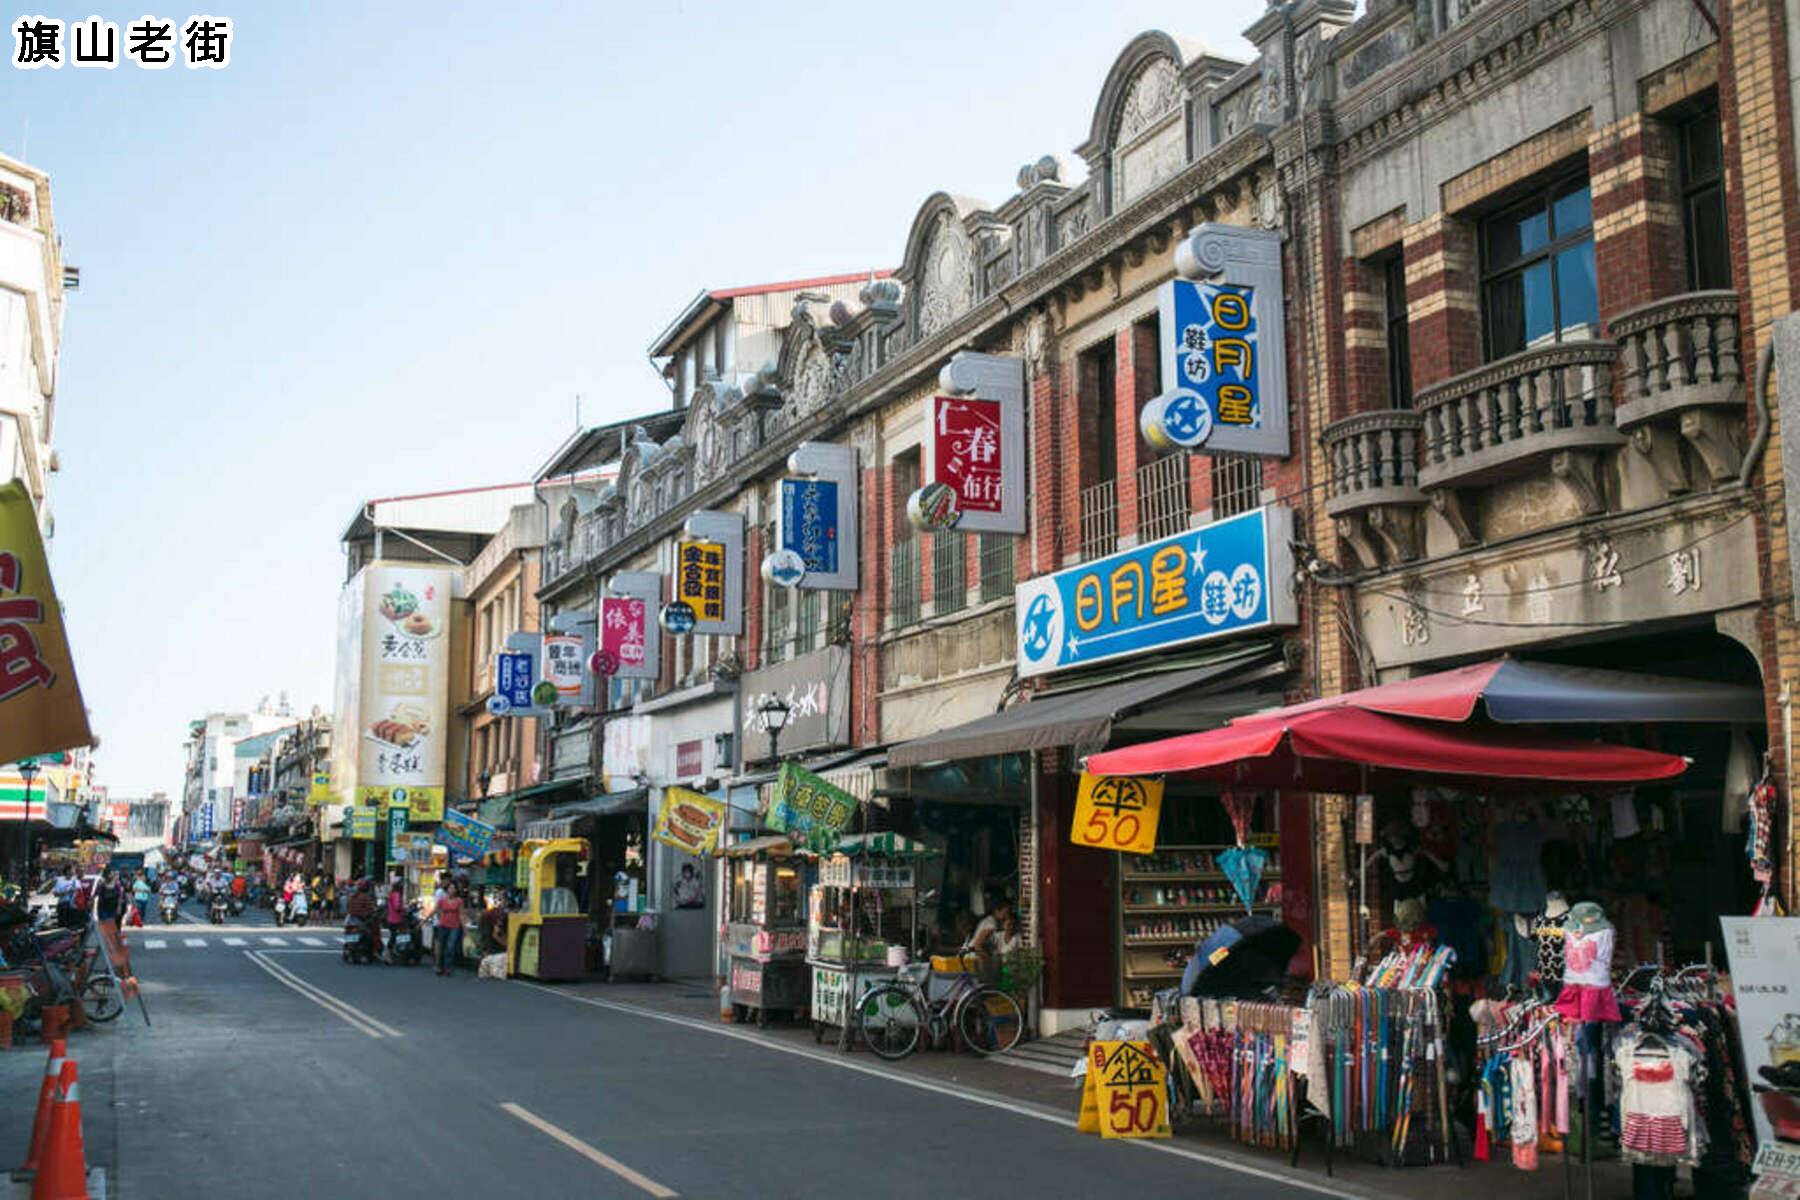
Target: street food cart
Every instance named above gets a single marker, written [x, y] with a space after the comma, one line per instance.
[548, 938]
[862, 923]
[765, 930]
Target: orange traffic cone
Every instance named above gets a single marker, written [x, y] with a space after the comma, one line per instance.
[40, 1124]
[63, 1174]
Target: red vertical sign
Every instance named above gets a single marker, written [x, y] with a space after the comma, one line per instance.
[966, 450]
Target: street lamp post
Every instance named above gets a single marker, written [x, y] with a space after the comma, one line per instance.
[775, 712]
[28, 771]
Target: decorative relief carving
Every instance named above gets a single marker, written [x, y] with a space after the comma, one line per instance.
[945, 278]
[1152, 94]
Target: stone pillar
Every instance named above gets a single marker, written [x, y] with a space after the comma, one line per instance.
[1639, 250]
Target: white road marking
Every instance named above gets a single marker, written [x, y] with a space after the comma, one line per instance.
[235, 942]
[969, 1094]
[193, 941]
[641, 1182]
[306, 941]
[362, 1022]
[154, 944]
[272, 941]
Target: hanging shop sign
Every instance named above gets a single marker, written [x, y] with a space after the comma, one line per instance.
[396, 828]
[41, 709]
[785, 568]
[840, 870]
[1117, 812]
[563, 657]
[625, 624]
[709, 571]
[515, 674]
[626, 744]
[1232, 576]
[816, 518]
[689, 821]
[465, 836]
[809, 809]
[975, 443]
[319, 792]
[1762, 952]
[1127, 1089]
[677, 617]
[1224, 346]
[816, 689]
[360, 821]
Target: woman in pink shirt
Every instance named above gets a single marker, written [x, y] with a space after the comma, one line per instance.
[449, 916]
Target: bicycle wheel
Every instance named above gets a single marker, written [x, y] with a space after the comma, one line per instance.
[889, 1021]
[990, 1021]
[101, 998]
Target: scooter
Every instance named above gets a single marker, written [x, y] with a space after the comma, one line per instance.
[234, 903]
[217, 908]
[359, 941]
[281, 911]
[170, 908]
[408, 947]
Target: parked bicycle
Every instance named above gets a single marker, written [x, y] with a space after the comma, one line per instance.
[893, 1017]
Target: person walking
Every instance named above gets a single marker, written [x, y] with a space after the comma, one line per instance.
[449, 934]
[140, 896]
[66, 885]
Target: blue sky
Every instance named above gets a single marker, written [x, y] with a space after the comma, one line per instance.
[384, 250]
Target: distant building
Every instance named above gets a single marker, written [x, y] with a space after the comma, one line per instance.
[33, 280]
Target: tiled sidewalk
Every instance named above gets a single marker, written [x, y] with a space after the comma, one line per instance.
[1045, 1094]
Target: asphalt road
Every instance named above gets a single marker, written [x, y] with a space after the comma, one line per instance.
[273, 1068]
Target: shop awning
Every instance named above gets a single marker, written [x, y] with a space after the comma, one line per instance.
[1352, 750]
[856, 845]
[498, 810]
[1516, 692]
[611, 804]
[1081, 718]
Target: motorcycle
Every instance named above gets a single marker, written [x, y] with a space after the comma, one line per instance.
[170, 909]
[217, 908]
[234, 903]
[408, 941]
[359, 941]
[281, 911]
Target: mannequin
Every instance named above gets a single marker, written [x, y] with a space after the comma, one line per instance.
[1410, 927]
[1587, 993]
[1549, 930]
[1407, 871]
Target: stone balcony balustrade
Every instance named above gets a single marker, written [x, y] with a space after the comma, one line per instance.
[1375, 497]
[1683, 381]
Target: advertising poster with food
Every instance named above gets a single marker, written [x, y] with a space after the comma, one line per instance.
[1762, 952]
[689, 821]
[405, 689]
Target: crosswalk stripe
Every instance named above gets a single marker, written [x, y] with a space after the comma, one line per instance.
[270, 941]
[193, 941]
[154, 944]
[234, 941]
[306, 941]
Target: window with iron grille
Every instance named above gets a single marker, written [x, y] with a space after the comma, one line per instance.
[949, 572]
[903, 582]
[996, 566]
[1162, 487]
[1236, 484]
[1399, 346]
[811, 605]
[775, 609]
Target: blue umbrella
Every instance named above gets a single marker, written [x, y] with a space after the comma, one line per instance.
[1243, 865]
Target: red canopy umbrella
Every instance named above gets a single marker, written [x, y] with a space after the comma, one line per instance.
[1352, 750]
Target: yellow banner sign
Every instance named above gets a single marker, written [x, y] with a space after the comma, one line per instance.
[1131, 1090]
[360, 823]
[426, 803]
[700, 578]
[689, 822]
[320, 791]
[40, 702]
[1117, 812]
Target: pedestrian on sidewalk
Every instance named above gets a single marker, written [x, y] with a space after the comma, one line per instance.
[449, 933]
[140, 896]
[396, 916]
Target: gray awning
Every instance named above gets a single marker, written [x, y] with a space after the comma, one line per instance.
[611, 804]
[1080, 718]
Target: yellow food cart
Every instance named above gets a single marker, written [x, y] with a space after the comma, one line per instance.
[548, 938]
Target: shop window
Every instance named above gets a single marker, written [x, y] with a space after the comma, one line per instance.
[1703, 201]
[1098, 369]
[903, 554]
[810, 606]
[949, 572]
[1538, 278]
[1236, 484]
[1399, 348]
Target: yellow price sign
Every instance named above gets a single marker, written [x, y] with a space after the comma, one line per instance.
[1132, 1090]
[1117, 812]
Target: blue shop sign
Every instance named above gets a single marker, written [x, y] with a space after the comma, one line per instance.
[1216, 356]
[809, 523]
[1229, 577]
[514, 675]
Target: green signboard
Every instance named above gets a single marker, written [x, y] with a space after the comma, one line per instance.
[810, 810]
